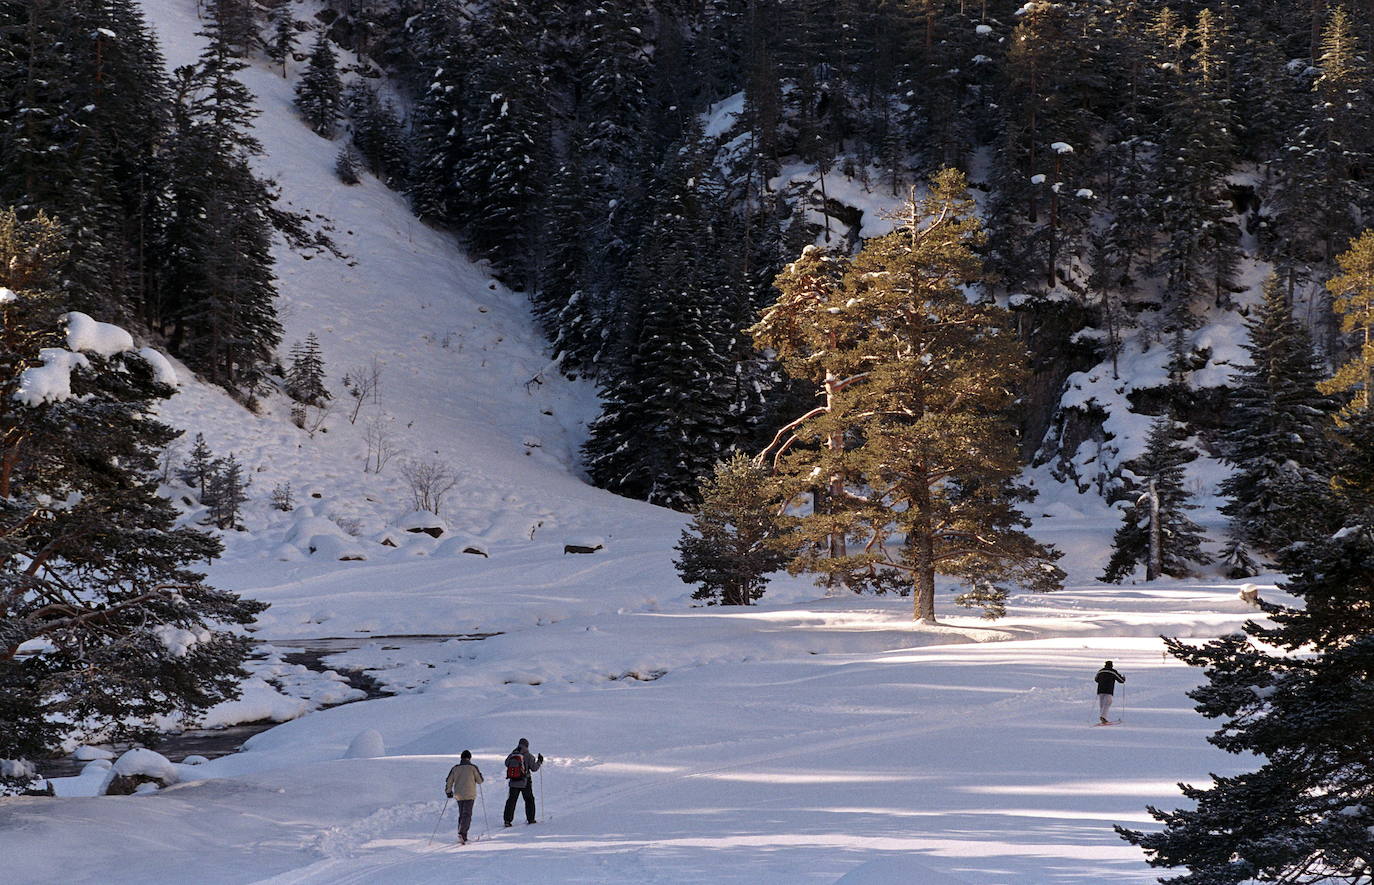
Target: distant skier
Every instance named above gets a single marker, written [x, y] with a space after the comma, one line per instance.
[1106, 678]
[462, 782]
[520, 764]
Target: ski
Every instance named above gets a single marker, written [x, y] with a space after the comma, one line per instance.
[1100, 724]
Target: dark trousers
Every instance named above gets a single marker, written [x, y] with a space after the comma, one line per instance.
[516, 792]
[464, 816]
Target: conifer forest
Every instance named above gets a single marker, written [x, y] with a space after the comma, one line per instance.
[880, 319]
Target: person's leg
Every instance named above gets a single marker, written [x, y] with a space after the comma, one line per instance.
[464, 817]
[510, 805]
[529, 802]
[1104, 703]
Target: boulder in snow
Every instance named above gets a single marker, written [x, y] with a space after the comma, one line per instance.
[583, 544]
[344, 549]
[138, 767]
[423, 522]
[462, 544]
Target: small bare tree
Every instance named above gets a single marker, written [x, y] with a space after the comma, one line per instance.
[363, 383]
[167, 463]
[429, 481]
[381, 444]
[310, 418]
[281, 497]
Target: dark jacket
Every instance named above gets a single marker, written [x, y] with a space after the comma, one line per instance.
[531, 766]
[1107, 678]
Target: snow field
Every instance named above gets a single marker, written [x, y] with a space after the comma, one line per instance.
[976, 759]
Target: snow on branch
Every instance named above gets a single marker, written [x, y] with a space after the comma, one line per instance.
[52, 381]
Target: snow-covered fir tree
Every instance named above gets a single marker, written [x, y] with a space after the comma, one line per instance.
[217, 281]
[227, 492]
[732, 543]
[305, 376]
[198, 467]
[1279, 439]
[283, 40]
[1155, 529]
[319, 94]
[664, 422]
[91, 562]
[1295, 691]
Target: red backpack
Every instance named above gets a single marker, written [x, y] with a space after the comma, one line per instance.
[515, 767]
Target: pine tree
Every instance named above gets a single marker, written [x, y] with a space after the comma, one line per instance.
[1201, 249]
[1279, 436]
[913, 434]
[506, 157]
[441, 121]
[1353, 293]
[1352, 465]
[305, 375]
[106, 579]
[199, 466]
[234, 20]
[283, 41]
[227, 493]
[83, 111]
[1155, 530]
[346, 166]
[319, 94]
[730, 546]
[1320, 186]
[664, 420]
[1237, 561]
[1296, 691]
[377, 134]
[215, 276]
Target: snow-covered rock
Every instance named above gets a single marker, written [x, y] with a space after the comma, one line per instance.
[87, 753]
[137, 769]
[342, 548]
[367, 744]
[423, 522]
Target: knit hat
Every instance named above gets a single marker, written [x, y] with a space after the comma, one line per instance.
[524, 743]
[467, 754]
[1107, 665]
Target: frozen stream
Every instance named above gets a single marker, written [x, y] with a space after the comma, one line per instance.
[213, 743]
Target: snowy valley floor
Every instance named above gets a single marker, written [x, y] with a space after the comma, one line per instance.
[800, 742]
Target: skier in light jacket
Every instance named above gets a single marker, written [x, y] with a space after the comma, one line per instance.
[462, 782]
[525, 763]
[1106, 679]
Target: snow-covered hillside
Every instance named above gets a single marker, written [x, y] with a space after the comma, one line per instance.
[808, 740]
[465, 380]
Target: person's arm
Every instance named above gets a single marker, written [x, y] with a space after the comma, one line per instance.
[534, 762]
[449, 781]
[477, 771]
[1119, 677]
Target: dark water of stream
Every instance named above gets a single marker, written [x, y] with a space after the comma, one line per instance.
[310, 653]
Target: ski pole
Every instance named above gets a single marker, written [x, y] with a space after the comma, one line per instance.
[486, 821]
[437, 822]
[1122, 717]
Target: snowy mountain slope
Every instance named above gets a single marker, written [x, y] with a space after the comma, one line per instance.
[465, 380]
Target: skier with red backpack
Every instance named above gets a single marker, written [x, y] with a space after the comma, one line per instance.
[520, 764]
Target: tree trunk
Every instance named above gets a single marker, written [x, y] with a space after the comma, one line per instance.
[836, 542]
[1155, 566]
[921, 553]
